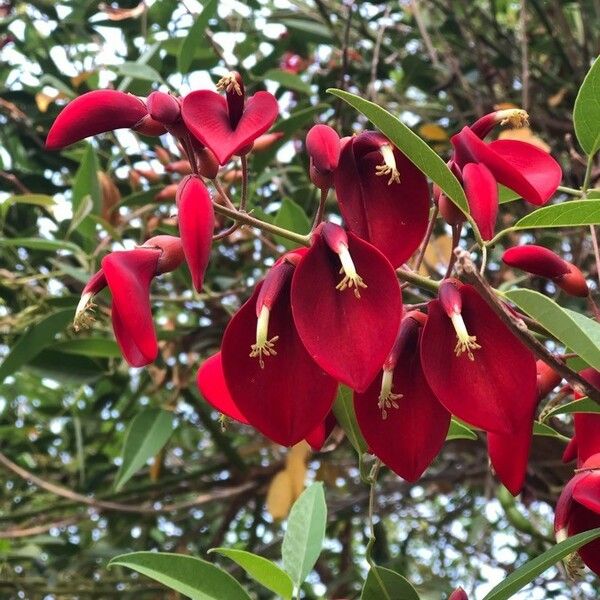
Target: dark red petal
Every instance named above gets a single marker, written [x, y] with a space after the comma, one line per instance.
[323, 147]
[96, 283]
[163, 108]
[93, 113]
[587, 491]
[458, 594]
[291, 395]
[171, 252]
[481, 190]
[562, 512]
[318, 436]
[348, 337]
[206, 116]
[196, 222]
[508, 455]
[129, 275]
[536, 260]
[571, 451]
[573, 282]
[391, 217]
[213, 387]
[497, 390]
[582, 519]
[410, 436]
[520, 166]
[587, 431]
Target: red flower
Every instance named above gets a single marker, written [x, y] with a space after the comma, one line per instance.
[323, 147]
[229, 125]
[578, 510]
[383, 197]
[475, 366]
[400, 418]
[97, 112]
[481, 190]
[129, 274]
[272, 379]
[458, 594]
[196, 221]
[541, 261]
[348, 324]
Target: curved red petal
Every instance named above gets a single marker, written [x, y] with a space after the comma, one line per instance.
[206, 116]
[536, 260]
[129, 275]
[582, 519]
[497, 390]
[323, 146]
[348, 337]
[93, 113]
[391, 217]
[587, 432]
[213, 387]
[196, 221]
[570, 451]
[410, 436]
[587, 491]
[318, 436]
[508, 455]
[481, 190]
[291, 395]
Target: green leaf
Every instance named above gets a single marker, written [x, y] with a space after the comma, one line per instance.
[193, 577]
[288, 80]
[423, 157]
[460, 431]
[527, 573]
[34, 340]
[343, 409]
[567, 214]
[505, 195]
[577, 332]
[586, 114]
[147, 434]
[86, 185]
[305, 532]
[266, 572]
[384, 584]
[547, 431]
[195, 37]
[291, 216]
[94, 347]
[584, 405]
[141, 61]
[35, 199]
[41, 244]
[86, 206]
[138, 70]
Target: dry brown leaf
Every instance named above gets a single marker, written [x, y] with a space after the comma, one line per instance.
[81, 78]
[110, 198]
[295, 465]
[280, 495]
[557, 98]
[120, 14]
[437, 255]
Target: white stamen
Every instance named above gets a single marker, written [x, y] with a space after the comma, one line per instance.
[465, 342]
[389, 165]
[351, 278]
[387, 400]
[81, 318]
[263, 346]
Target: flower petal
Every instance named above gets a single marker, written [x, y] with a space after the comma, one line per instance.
[196, 221]
[323, 147]
[291, 395]
[587, 491]
[318, 436]
[497, 390]
[509, 454]
[93, 113]
[536, 260]
[206, 116]
[582, 519]
[348, 337]
[391, 217]
[481, 190]
[129, 275]
[213, 387]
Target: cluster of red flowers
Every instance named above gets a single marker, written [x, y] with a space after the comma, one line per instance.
[333, 313]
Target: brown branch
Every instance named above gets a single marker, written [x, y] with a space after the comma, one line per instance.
[469, 273]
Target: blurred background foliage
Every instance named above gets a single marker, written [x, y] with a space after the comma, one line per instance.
[68, 400]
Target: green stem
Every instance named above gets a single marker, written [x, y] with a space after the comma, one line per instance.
[423, 282]
[568, 190]
[373, 483]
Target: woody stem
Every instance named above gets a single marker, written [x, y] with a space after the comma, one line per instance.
[469, 273]
[244, 198]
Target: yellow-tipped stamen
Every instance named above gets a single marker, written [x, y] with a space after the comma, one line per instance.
[223, 422]
[387, 399]
[465, 342]
[263, 346]
[229, 83]
[574, 566]
[83, 319]
[513, 117]
[389, 165]
[351, 278]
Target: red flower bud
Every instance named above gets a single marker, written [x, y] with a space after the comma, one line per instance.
[481, 190]
[323, 147]
[458, 594]
[163, 108]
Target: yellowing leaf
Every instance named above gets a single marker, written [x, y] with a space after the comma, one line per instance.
[433, 132]
[437, 255]
[280, 495]
[557, 98]
[43, 101]
[524, 134]
[81, 78]
[296, 466]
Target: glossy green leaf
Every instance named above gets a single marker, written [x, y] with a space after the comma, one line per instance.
[34, 340]
[86, 185]
[41, 244]
[384, 584]
[410, 144]
[343, 409]
[527, 573]
[586, 115]
[291, 216]
[505, 195]
[547, 431]
[266, 572]
[195, 36]
[139, 70]
[94, 347]
[567, 214]
[288, 80]
[305, 532]
[147, 434]
[141, 61]
[195, 578]
[460, 431]
[577, 332]
[584, 405]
